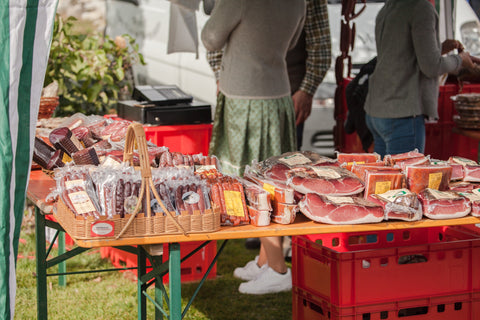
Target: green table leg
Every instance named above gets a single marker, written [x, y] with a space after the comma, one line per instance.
[175, 282]
[141, 270]
[62, 266]
[157, 260]
[41, 261]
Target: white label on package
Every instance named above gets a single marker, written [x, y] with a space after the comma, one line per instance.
[391, 195]
[340, 200]
[326, 173]
[81, 202]
[70, 184]
[476, 191]
[470, 196]
[442, 195]
[295, 159]
[464, 161]
[202, 168]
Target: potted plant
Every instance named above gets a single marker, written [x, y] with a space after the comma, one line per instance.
[92, 71]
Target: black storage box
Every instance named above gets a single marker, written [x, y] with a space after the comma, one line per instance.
[194, 112]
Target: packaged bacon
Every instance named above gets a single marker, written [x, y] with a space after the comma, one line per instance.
[63, 139]
[276, 168]
[394, 158]
[284, 213]
[359, 169]
[325, 181]
[471, 173]
[256, 196]
[77, 191]
[381, 181]
[259, 218]
[399, 204]
[347, 159]
[443, 204]
[340, 210]
[457, 169]
[474, 197]
[463, 186]
[420, 177]
[416, 161]
[42, 152]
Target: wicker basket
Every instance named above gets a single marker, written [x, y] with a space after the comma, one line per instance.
[47, 107]
[137, 224]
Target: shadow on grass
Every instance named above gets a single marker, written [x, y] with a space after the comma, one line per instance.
[219, 299]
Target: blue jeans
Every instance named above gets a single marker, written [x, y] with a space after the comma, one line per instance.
[397, 135]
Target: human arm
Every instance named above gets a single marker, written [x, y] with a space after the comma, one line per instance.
[427, 47]
[226, 15]
[318, 47]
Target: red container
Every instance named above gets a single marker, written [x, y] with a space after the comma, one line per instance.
[446, 108]
[351, 269]
[192, 269]
[68, 240]
[187, 139]
[306, 306]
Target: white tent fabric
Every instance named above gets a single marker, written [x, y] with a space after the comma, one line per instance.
[25, 37]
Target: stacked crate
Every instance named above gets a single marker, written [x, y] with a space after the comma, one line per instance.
[424, 273]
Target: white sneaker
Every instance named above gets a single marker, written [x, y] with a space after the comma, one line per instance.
[268, 281]
[250, 271]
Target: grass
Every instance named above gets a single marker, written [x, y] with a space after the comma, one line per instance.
[113, 295]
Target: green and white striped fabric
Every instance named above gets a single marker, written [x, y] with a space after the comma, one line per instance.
[25, 36]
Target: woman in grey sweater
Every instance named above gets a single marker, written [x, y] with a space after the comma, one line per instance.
[254, 117]
[403, 89]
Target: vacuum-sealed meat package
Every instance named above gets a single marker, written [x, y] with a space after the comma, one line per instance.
[381, 181]
[348, 159]
[399, 204]
[324, 181]
[443, 204]
[420, 177]
[340, 210]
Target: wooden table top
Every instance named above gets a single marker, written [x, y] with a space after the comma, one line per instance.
[40, 185]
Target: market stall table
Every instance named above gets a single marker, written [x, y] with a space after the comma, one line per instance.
[40, 185]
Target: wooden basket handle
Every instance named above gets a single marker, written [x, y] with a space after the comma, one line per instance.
[136, 136]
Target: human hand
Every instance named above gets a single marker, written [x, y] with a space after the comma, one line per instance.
[302, 102]
[466, 60]
[450, 44]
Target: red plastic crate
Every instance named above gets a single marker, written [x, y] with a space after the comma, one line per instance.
[187, 139]
[349, 269]
[306, 306]
[446, 108]
[192, 269]
[68, 240]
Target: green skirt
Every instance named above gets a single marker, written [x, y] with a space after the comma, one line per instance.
[246, 130]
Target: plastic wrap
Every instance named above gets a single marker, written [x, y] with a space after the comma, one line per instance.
[443, 204]
[259, 218]
[399, 204]
[228, 195]
[474, 198]
[284, 213]
[86, 156]
[324, 181]
[62, 138]
[346, 160]
[256, 196]
[42, 152]
[279, 192]
[340, 210]
[381, 181]
[420, 177]
[457, 169]
[358, 169]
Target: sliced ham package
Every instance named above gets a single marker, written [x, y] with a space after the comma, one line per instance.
[457, 169]
[420, 177]
[443, 204]
[399, 204]
[340, 210]
[324, 181]
[276, 168]
[348, 159]
[381, 181]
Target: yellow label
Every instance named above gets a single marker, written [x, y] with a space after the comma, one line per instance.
[270, 189]
[434, 180]
[383, 186]
[66, 158]
[355, 162]
[233, 203]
